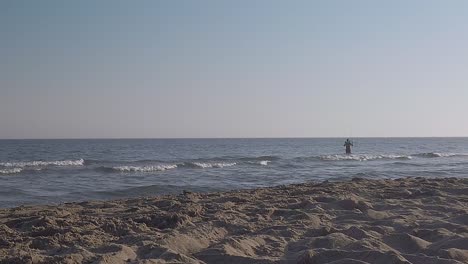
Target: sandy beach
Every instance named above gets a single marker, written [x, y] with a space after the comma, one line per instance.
[411, 220]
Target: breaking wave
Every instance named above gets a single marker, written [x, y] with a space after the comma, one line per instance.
[439, 155]
[369, 157]
[39, 163]
[206, 165]
[11, 171]
[363, 157]
[143, 168]
[155, 168]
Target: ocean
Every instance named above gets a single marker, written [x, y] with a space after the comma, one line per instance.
[65, 170]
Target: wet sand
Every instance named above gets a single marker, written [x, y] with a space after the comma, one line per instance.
[411, 220]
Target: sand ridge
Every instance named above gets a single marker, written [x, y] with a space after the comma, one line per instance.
[410, 220]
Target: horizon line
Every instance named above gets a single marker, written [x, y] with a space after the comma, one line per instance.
[185, 138]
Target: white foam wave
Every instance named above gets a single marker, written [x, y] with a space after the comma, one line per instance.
[439, 155]
[264, 162]
[23, 164]
[213, 165]
[144, 168]
[11, 171]
[363, 157]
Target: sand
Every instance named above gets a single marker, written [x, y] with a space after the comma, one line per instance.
[411, 220]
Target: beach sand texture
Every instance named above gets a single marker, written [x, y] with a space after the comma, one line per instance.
[410, 220]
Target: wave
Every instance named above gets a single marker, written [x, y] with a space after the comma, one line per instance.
[11, 171]
[399, 163]
[93, 162]
[206, 165]
[142, 168]
[355, 157]
[214, 161]
[164, 167]
[439, 155]
[368, 157]
[39, 163]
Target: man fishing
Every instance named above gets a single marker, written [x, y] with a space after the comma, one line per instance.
[348, 144]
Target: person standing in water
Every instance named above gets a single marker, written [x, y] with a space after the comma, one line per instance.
[348, 144]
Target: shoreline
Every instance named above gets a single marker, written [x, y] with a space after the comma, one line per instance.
[407, 220]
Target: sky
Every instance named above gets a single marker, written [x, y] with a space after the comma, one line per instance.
[246, 68]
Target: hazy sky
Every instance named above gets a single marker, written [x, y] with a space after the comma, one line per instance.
[233, 68]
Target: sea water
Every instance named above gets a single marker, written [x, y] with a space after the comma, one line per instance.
[56, 171]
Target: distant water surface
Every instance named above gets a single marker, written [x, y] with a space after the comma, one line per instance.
[54, 171]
